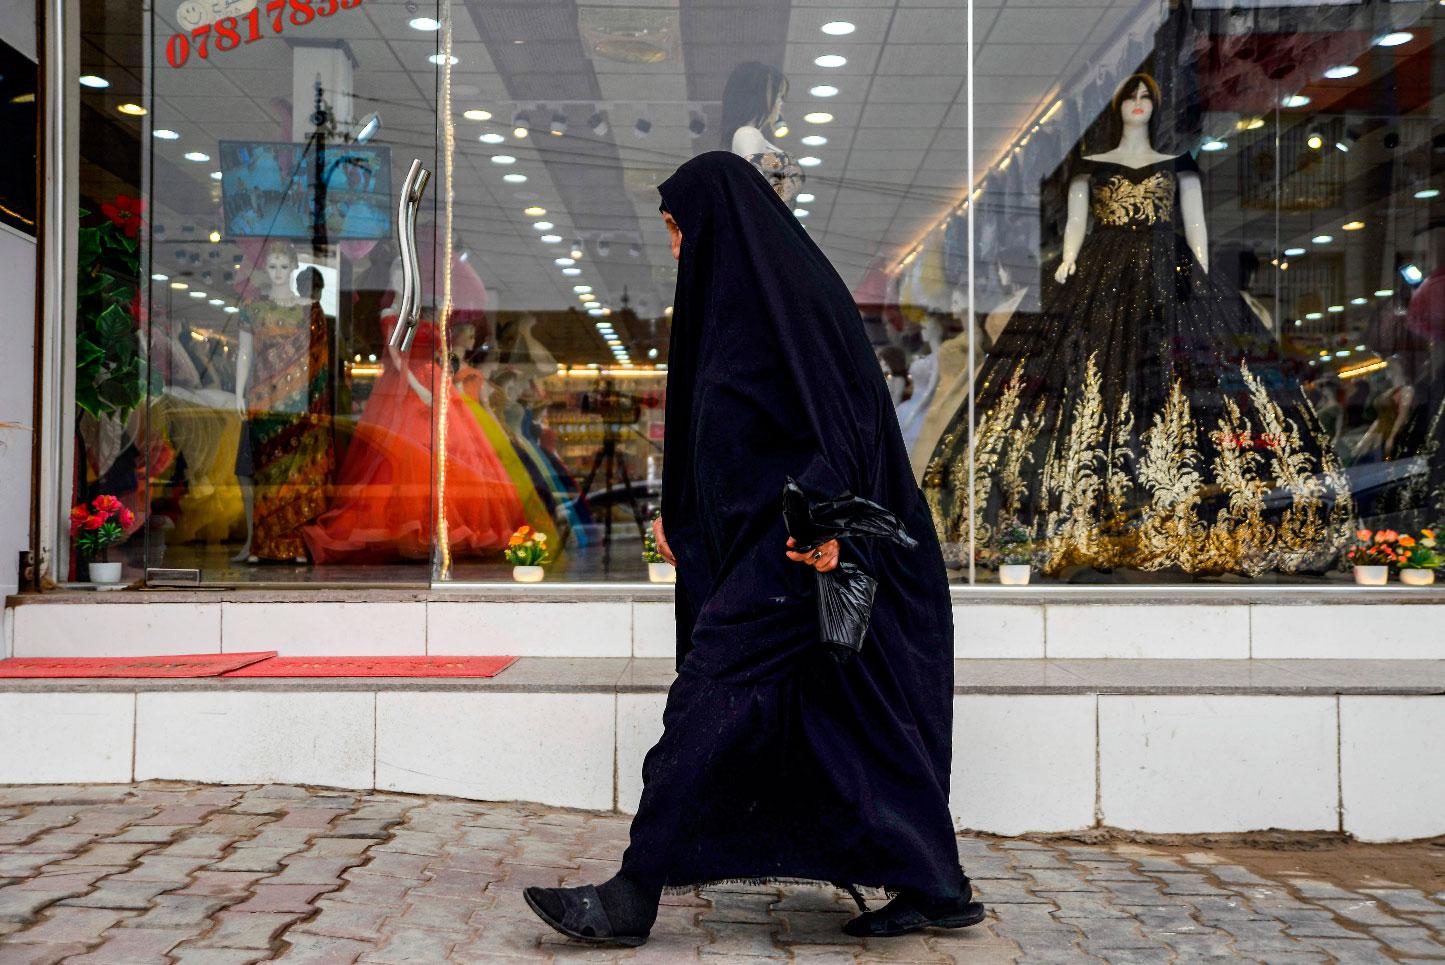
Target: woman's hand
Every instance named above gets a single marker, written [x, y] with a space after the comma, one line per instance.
[822, 559]
[662, 546]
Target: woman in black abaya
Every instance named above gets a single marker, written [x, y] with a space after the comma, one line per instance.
[776, 762]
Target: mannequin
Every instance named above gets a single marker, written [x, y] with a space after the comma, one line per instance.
[1392, 398]
[923, 374]
[895, 372]
[752, 104]
[283, 392]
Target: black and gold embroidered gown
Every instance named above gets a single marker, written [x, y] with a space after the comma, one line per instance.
[1144, 417]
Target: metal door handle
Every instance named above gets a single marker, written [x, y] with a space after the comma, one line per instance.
[410, 309]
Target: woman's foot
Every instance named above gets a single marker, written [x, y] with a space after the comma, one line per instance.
[618, 912]
[911, 911]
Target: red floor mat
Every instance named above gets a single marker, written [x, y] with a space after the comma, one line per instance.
[375, 667]
[179, 665]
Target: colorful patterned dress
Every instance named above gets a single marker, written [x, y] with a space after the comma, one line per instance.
[287, 448]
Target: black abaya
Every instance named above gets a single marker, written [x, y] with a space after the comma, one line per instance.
[776, 763]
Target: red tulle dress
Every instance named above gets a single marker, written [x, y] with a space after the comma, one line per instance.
[382, 507]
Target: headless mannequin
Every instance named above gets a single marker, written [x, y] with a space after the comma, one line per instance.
[279, 267]
[1134, 151]
[1393, 400]
[923, 372]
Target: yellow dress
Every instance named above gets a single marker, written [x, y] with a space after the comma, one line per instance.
[533, 506]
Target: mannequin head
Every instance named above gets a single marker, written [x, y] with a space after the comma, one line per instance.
[279, 263]
[1135, 105]
[753, 97]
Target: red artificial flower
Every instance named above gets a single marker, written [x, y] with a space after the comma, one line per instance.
[126, 517]
[106, 504]
[94, 522]
[125, 213]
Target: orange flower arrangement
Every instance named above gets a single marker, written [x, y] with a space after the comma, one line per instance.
[1420, 553]
[527, 547]
[1379, 548]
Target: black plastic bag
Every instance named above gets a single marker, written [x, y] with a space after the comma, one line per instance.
[845, 593]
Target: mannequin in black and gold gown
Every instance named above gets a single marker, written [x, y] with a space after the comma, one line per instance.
[1143, 418]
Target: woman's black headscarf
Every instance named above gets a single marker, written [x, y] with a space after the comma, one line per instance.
[770, 374]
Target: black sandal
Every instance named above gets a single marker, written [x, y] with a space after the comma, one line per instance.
[902, 915]
[583, 916]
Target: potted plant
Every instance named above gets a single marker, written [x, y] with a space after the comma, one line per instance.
[1372, 556]
[1418, 559]
[1015, 556]
[527, 552]
[659, 570]
[96, 526]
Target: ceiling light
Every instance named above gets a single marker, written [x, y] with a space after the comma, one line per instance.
[642, 128]
[818, 117]
[369, 126]
[581, 288]
[559, 124]
[160, 277]
[1322, 239]
[830, 60]
[1335, 308]
[1294, 100]
[586, 296]
[165, 135]
[1384, 293]
[1342, 71]
[197, 294]
[93, 80]
[490, 137]
[1315, 141]
[196, 156]
[216, 175]
[1293, 252]
[179, 286]
[652, 352]
[823, 90]
[1359, 301]
[551, 239]
[635, 251]
[838, 28]
[806, 198]
[448, 59]
[521, 124]
[607, 311]
[594, 311]
[1342, 146]
[1425, 194]
[534, 211]
[543, 225]
[424, 23]
[571, 271]
[515, 178]
[810, 161]
[815, 140]
[1214, 144]
[503, 159]
[598, 123]
[800, 212]
[564, 262]
[1395, 38]
[1353, 225]
[1412, 274]
[781, 130]
[477, 114]
[604, 247]
[1314, 316]
[696, 126]
[214, 236]
[134, 110]
[230, 309]
[1249, 124]
[215, 301]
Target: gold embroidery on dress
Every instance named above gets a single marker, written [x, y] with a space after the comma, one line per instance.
[1122, 201]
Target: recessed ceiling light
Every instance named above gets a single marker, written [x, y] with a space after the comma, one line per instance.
[424, 23]
[134, 110]
[1249, 124]
[1342, 71]
[1322, 239]
[1425, 194]
[1315, 142]
[440, 59]
[1359, 301]
[216, 175]
[230, 309]
[1395, 38]
[838, 28]
[1214, 144]
[781, 130]
[158, 276]
[1293, 252]
[165, 134]
[818, 117]
[823, 90]
[503, 159]
[179, 286]
[515, 178]
[594, 311]
[830, 60]
[810, 161]
[576, 252]
[806, 198]
[1294, 100]
[800, 212]
[1314, 316]
[197, 294]
[1353, 225]
[564, 262]
[93, 80]
[1384, 293]
[581, 288]
[534, 211]
[1335, 308]
[214, 236]
[196, 156]
[215, 301]
[477, 114]
[490, 137]
[571, 271]
[543, 225]
[815, 140]
[551, 239]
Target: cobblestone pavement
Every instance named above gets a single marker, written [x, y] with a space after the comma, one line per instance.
[166, 872]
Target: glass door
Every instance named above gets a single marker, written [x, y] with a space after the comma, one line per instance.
[288, 256]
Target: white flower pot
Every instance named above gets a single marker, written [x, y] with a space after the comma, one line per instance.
[104, 572]
[1417, 577]
[1372, 575]
[663, 572]
[527, 574]
[1014, 574]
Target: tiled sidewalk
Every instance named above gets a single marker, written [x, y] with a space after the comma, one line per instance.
[165, 872]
